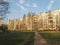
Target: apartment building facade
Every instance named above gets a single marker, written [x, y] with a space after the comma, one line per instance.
[44, 21]
[1, 22]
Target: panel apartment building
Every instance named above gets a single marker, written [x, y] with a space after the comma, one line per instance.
[1, 22]
[44, 21]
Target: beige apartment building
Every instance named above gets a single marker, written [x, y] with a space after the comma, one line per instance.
[44, 21]
[1, 22]
[11, 25]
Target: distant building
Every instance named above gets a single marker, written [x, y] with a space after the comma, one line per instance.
[1, 21]
[43, 21]
[11, 25]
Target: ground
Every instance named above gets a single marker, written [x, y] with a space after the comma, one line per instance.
[39, 40]
[17, 38]
[52, 37]
[30, 38]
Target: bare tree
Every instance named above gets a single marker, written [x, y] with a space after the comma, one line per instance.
[4, 5]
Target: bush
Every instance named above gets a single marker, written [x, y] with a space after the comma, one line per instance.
[3, 28]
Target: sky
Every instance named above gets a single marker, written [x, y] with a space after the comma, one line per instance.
[18, 8]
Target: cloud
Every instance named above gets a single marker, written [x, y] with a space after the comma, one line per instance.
[28, 5]
[17, 4]
[22, 7]
[50, 5]
[34, 5]
[52, 1]
[6, 0]
[22, 1]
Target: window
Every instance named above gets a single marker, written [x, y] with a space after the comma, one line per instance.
[51, 21]
[50, 18]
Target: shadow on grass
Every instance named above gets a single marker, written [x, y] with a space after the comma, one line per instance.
[17, 38]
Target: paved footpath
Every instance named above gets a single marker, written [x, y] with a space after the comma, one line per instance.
[39, 40]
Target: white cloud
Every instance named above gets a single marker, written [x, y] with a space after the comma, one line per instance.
[52, 1]
[50, 5]
[34, 5]
[28, 5]
[6, 0]
[17, 4]
[22, 7]
[22, 1]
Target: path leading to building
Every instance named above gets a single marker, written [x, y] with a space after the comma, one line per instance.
[39, 40]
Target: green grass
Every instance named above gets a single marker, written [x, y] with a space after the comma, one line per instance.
[17, 38]
[27, 38]
[52, 37]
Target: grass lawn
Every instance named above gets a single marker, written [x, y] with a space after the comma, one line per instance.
[53, 37]
[27, 38]
[17, 38]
